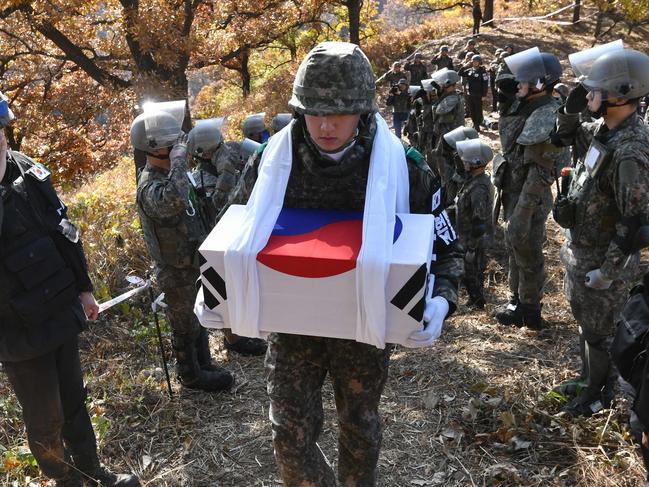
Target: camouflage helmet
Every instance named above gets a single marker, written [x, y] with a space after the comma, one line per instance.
[474, 152]
[335, 78]
[165, 124]
[445, 77]
[623, 74]
[458, 134]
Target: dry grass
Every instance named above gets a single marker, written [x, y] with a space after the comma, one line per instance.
[473, 410]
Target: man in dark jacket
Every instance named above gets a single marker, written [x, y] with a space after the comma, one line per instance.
[477, 87]
[45, 296]
[399, 100]
[477, 17]
[442, 60]
[417, 70]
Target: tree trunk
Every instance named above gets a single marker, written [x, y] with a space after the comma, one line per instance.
[577, 12]
[488, 16]
[354, 12]
[245, 73]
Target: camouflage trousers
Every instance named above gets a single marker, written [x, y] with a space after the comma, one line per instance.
[524, 237]
[596, 312]
[474, 268]
[180, 293]
[296, 368]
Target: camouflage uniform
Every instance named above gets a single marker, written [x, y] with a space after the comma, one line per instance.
[474, 204]
[392, 77]
[417, 72]
[607, 209]
[526, 193]
[424, 108]
[173, 228]
[448, 114]
[297, 365]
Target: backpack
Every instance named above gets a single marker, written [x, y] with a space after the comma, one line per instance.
[629, 348]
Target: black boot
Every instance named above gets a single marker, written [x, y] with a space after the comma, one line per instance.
[97, 475]
[532, 316]
[587, 403]
[73, 479]
[204, 353]
[243, 345]
[510, 314]
[102, 477]
[476, 298]
[189, 371]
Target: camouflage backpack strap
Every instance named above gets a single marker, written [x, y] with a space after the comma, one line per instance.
[447, 104]
[539, 125]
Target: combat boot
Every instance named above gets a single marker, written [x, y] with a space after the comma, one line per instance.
[189, 372]
[476, 299]
[243, 345]
[510, 314]
[73, 479]
[204, 353]
[97, 475]
[531, 316]
[587, 403]
[246, 346]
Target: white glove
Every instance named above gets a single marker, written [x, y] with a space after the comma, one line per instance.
[595, 280]
[434, 314]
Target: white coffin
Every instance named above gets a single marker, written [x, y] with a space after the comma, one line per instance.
[307, 274]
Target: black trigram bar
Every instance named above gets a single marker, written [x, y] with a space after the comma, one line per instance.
[210, 300]
[410, 290]
[216, 281]
[201, 260]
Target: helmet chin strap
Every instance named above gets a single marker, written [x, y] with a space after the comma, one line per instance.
[601, 111]
[160, 156]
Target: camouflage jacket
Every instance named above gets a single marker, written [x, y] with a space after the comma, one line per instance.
[425, 119]
[417, 72]
[392, 77]
[474, 206]
[611, 205]
[320, 182]
[441, 62]
[170, 216]
[532, 160]
[449, 113]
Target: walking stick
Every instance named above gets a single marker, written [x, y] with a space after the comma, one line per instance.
[155, 303]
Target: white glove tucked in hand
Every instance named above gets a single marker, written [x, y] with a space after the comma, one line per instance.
[434, 314]
[595, 280]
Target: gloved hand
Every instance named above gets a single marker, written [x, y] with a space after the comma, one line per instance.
[576, 101]
[179, 150]
[595, 280]
[434, 313]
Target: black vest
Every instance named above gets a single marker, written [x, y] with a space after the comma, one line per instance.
[38, 289]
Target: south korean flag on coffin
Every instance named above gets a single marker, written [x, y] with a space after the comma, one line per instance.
[307, 273]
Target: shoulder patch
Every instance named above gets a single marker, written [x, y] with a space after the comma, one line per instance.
[539, 125]
[447, 104]
[35, 169]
